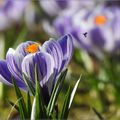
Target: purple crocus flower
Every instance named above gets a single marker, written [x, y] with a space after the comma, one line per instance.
[96, 31]
[54, 7]
[11, 11]
[51, 58]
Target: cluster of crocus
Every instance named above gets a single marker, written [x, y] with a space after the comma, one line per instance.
[54, 7]
[11, 11]
[50, 58]
[96, 31]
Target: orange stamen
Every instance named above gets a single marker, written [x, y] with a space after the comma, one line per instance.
[100, 20]
[33, 48]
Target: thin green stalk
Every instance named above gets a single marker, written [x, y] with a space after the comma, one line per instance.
[2, 86]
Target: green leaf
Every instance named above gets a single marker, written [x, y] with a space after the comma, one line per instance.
[40, 106]
[39, 112]
[56, 111]
[33, 111]
[55, 93]
[22, 106]
[29, 106]
[73, 92]
[68, 101]
[29, 84]
[65, 109]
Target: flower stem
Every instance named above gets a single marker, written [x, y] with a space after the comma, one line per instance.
[2, 86]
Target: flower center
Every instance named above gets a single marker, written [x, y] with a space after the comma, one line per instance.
[100, 20]
[33, 48]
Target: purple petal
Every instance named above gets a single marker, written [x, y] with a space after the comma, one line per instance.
[45, 65]
[63, 25]
[66, 43]
[14, 61]
[59, 25]
[54, 49]
[5, 75]
[28, 67]
[62, 3]
[97, 37]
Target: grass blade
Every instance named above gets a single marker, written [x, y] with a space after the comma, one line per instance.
[55, 93]
[33, 111]
[40, 106]
[68, 101]
[29, 106]
[22, 105]
[65, 109]
[73, 92]
[29, 84]
[39, 112]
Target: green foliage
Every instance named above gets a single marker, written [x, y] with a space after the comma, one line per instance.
[65, 109]
[56, 92]
[40, 106]
[29, 84]
[22, 105]
[38, 109]
[29, 106]
[68, 101]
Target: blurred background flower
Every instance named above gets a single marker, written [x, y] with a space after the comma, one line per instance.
[11, 11]
[54, 7]
[96, 31]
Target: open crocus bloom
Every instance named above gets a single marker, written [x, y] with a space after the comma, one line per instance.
[11, 11]
[101, 26]
[51, 58]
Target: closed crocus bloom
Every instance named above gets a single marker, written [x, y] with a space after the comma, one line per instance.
[11, 11]
[96, 31]
[51, 58]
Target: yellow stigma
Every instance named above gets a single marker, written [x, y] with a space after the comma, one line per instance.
[100, 20]
[33, 48]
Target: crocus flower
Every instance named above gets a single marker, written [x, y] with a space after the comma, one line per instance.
[51, 58]
[96, 31]
[54, 7]
[11, 11]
